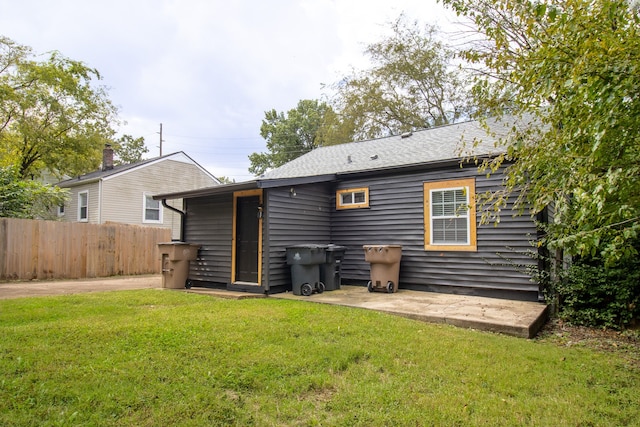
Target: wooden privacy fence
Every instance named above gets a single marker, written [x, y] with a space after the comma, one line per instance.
[34, 249]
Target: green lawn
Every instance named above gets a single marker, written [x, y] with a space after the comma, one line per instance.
[155, 357]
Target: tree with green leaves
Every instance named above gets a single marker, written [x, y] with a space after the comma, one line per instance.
[129, 150]
[52, 114]
[226, 180]
[412, 84]
[311, 124]
[573, 66]
[30, 199]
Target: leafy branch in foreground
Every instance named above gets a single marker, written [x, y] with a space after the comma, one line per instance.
[572, 66]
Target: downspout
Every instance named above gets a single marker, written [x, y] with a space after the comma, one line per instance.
[99, 203]
[179, 212]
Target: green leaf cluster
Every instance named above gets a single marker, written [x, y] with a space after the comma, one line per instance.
[592, 295]
[311, 124]
[129, 150]
[26, 198]
[52, 114]
[572, 67]
[411, 84]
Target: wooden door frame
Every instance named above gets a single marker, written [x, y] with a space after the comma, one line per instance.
[236, 196]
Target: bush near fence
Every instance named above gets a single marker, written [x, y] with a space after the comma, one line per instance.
[36, 250]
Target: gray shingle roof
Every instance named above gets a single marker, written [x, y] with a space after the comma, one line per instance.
[101, 174]
[421, 147]
[91, 176]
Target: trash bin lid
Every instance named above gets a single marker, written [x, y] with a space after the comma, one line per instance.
[307, 246]
[331, 247]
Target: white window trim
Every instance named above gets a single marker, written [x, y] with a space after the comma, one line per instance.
[468, 185]
[352, 191]
[144, 211]
[80, 193]
[459, 214]
[61, 210]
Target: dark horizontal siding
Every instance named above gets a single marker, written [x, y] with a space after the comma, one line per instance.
[396, 216]
[209, 222]
[304, 218]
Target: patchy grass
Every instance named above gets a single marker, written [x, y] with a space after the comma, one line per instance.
[169, 358]
[625, 344]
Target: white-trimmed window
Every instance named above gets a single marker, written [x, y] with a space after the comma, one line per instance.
[352, 198]
[152, 210]
[450, 215]
[83, 206]
[61, 210]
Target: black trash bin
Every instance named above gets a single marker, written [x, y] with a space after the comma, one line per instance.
[305, 261]
[330, 271]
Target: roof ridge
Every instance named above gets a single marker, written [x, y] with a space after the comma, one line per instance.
[435, 144]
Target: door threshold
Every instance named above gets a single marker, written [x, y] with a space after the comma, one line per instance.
[245, 284]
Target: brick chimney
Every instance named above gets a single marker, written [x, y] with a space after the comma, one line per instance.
[107, 157]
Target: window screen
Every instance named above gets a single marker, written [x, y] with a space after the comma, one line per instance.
[83, 206]
[449, 217]
[151, 209]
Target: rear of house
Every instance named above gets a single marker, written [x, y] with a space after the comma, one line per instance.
[124, 194]
[411, 191]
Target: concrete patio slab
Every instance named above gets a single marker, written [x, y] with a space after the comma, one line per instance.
[517, 318]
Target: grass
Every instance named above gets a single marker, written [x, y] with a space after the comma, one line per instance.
[154, 357]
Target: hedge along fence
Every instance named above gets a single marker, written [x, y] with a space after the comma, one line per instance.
[35, 249]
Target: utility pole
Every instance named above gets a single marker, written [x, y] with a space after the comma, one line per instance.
[160, 139]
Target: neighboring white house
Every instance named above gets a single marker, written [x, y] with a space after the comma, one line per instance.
[124, 193]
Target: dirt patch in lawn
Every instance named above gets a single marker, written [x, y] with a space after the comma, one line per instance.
[626, 343]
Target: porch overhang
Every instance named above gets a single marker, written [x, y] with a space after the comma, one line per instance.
[209, 191]
[243, 186]
[286, 182]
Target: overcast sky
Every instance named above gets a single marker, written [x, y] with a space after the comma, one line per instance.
[209, 69]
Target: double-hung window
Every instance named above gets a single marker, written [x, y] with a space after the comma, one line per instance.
[152, 210]
[450, 215]
[83, 206]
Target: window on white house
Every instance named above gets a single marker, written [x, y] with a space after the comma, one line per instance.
[152, 210]
[83, 206]
[450, 216]
[352, 198]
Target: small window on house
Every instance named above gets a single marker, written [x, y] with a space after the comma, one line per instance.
[83, 206]
[352, 198]
[61, 210]
[152, 210]
[450, 215]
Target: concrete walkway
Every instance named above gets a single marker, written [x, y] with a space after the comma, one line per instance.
[39, 288]
[517, 318]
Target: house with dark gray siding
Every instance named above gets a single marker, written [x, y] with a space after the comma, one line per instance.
[412, 190]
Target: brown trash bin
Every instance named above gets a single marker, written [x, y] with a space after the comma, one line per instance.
[385, 267]
[175, 263]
